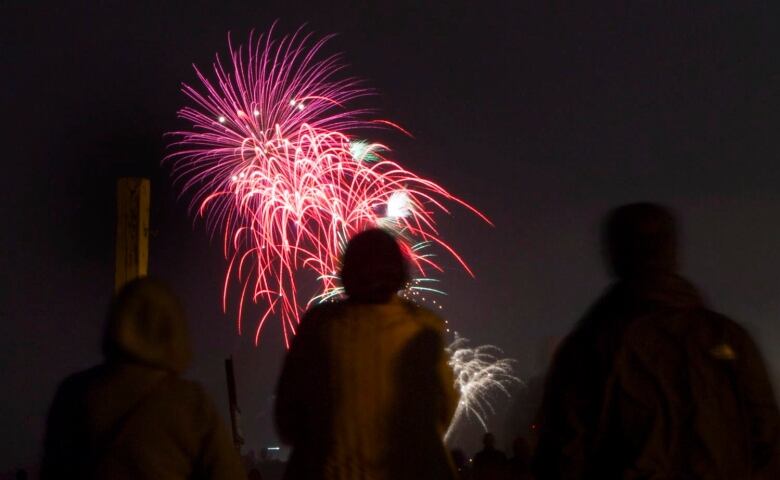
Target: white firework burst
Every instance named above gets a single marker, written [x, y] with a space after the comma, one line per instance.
[480, 374]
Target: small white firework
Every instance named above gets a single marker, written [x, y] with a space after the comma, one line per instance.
[480, 374]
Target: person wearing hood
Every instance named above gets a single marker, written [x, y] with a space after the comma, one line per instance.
[651, 383]
[366, 391]
[133, 416]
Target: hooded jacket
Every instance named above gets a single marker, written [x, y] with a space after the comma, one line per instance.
[133, 417]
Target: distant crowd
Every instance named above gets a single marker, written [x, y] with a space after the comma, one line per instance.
[493, 464]
[650, 384]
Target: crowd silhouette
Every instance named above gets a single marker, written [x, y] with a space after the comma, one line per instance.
[650, 384]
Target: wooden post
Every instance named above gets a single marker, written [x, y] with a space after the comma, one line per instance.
[132, 229]
[235, 412]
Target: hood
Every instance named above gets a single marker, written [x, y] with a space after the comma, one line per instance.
[146, 324]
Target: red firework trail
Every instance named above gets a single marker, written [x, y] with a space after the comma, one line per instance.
[274, 162]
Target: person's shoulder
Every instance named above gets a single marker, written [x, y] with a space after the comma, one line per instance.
[732, 333]
[323, 310]
[697, 328]
[83, 379]
[597, 320]
[426, 317]
[681, 322]
[728, 324]
[318, 315]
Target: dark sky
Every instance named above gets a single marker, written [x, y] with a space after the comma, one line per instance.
[542, 114]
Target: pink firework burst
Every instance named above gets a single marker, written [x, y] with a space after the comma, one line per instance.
[274, 162]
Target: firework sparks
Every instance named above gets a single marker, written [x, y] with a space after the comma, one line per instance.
[275, 163]
[479, 375]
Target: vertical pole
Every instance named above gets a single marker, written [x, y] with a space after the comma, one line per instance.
[132, 229]
[235, 412]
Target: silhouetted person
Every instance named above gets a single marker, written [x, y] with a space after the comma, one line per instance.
[366, 391]
[652, 384]
[489, 463]
[133, 417]
[519, 466]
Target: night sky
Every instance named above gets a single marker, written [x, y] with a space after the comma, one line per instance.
[543, 115]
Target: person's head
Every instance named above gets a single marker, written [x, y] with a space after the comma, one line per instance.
[489, 440]
[146, 324]
[640, 240]
[373, 268]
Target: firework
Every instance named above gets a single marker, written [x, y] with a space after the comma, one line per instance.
[276, 162]
[479, 375]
